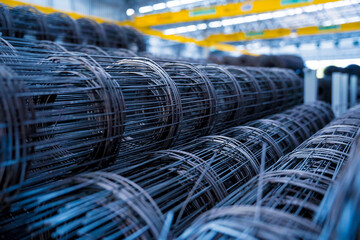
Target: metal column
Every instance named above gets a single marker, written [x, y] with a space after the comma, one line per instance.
[310, 86]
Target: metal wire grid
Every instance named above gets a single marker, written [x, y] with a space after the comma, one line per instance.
[63, 28]
[183, 97]
[188, 181]
[132, 104]
[92, 32]
[339, 217]
[26, 22]
[105, 204]
[29, 23]
[117, 34]
[78, 118]
[294, 187]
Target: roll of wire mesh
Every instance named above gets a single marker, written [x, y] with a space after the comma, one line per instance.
[6, 22]
[106, 205]
[339, 217]
[136, 41]
[181, 96]
[295, 187]
[78, 118]
[117, 34]
[187, 181]
[63, 28]
[29, 23]
[92, 33]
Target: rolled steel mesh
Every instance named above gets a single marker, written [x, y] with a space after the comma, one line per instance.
[63, 28]
[78, 118]
[339, 215]
[128, 106]
[27, 22]
[187, 181]
[294, 187]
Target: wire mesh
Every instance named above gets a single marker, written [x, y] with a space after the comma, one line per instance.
[295, 186]
[117, 34]
[339, 217]
[105, 205]
[29, 23]
[92, 33]
[63, 28]
[187, 180]
[78, 117]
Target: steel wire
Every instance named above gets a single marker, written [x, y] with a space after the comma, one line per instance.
[187, 180]
[296, 185]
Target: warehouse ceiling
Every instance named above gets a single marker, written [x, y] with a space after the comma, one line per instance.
[289, 19]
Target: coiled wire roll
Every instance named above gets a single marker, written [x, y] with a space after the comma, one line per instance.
[106, 205]
[187, 181]
[63, 28]
[6, 22]
[78, 117]
[16, 130]
[339, 215]
[155, 107]
[29, 23]
[92, 33]
[116, 34]
[296, 186]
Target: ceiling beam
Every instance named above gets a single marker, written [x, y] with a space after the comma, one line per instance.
[221, 11]
[284, 33]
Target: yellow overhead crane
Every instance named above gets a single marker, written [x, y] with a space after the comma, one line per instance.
[283, 32]
[221, 11]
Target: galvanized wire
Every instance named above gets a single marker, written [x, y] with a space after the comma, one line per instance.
[187, 180]
[295, 186]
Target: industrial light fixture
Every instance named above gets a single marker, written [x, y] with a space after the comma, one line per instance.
[130, 12]
[271, 15]
[145, 9]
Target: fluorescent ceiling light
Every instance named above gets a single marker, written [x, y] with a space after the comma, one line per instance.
[201, 26]
[145, 9]
[279, 14]
[159, 6]
[173, 3]
[191, 28]
[130, 12]
[264, 16]
[170, 31]
[181, 30]
[215, 24]
[227, 22]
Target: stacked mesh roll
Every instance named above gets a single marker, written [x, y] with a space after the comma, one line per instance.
[339, 214]
[284, 201]
[187, 180]
[28, 23]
